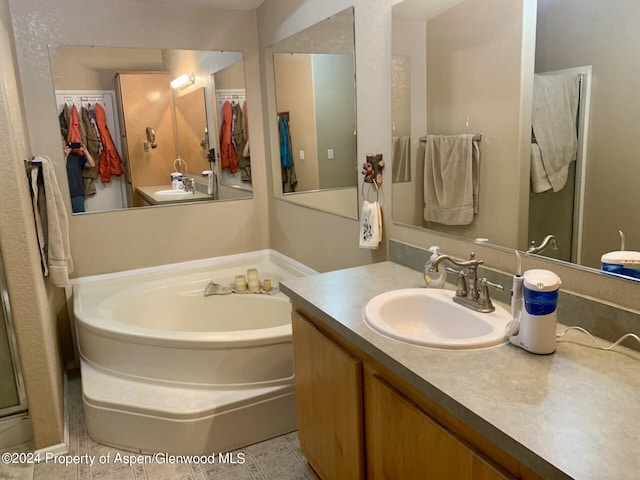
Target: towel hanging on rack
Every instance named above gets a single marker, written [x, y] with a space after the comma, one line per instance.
[370, 225]
[52, 223]
[451, 179]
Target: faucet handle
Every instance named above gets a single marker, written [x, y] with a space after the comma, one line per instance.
[497, 286]
[461, 286]
[484, 299]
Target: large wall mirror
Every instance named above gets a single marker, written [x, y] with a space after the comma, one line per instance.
[154, 122]
[314, 80]
[563, 164]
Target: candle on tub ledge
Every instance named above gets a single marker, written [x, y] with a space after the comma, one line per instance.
[241, 283]
[252, 280]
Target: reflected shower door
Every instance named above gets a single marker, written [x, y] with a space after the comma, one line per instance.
[12, 398]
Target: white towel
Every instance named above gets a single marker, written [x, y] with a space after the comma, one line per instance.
[451, 179]
[539, 180]
[53, 235]
[401, 160]
[555, 107]
[370, 225]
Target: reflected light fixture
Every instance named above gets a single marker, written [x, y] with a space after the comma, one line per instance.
[183, 81]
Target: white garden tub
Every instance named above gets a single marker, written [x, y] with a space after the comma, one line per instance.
[166, 369]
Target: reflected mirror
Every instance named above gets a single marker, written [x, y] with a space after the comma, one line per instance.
[465, 62]
[315, 118]
[149, 118]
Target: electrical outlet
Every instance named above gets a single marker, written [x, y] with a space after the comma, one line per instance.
[301, 154]
[330, 154]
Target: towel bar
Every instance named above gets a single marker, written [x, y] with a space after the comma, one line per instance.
[32, 163]
[476, 138]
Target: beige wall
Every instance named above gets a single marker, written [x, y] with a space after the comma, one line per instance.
[230, 77]
[82, 68]
[335, 110]
[113, 241]
[574, 33]
[33, 303]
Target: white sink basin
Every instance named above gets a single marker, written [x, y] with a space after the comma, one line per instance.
[430, 318]
[172, 193]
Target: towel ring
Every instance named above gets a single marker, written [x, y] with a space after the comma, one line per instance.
[374, 185]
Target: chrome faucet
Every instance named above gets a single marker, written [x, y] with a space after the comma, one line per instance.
[468, 293]
[189, 185]
[549, 240]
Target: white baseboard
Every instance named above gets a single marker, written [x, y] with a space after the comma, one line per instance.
[57, 449]
[60, 448]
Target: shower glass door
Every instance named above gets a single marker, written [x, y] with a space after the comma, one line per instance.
[12, 399]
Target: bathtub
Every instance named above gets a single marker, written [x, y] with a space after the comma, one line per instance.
[166, 369]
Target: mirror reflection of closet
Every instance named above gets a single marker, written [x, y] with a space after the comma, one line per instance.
[230, 89]
[87, 74]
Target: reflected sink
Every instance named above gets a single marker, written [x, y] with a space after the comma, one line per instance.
[172, 193]
[430, 318]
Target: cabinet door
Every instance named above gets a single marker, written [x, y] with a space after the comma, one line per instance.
[329, 404]
[402, 442]
[139, 111]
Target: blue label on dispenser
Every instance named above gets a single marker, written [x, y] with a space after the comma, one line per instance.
[621, 270]
[540, 303]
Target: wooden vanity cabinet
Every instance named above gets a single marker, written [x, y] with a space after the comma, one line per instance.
[328, 384]
[357, 419]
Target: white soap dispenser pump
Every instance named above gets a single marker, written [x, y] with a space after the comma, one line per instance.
[434, 279]
[538, 318]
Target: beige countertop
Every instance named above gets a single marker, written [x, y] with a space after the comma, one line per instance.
[149, 193]
[573, 414]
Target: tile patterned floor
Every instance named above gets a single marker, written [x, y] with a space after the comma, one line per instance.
[279, 458]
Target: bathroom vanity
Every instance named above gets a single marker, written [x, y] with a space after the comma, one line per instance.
[373, 407]
[164, 195]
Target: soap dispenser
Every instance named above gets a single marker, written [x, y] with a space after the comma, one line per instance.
[538, 317]
[434, 279]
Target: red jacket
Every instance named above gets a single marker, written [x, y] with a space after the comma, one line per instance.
[228, 158]
[110, 162]
[74, 135]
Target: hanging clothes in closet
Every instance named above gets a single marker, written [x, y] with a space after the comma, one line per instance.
[110, 161]
[74, 134]
[73, 130]
[91, 140]
[64, 117]
[289, 179]
[240, 140]
[88, 126]
[228, 158]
